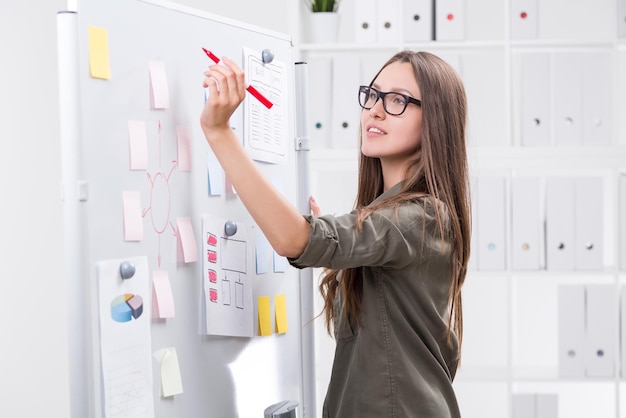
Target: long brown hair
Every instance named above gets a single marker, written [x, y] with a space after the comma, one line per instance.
[439, 171]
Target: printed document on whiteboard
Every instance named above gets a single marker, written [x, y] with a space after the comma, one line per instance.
[125, 343]
[266, 130]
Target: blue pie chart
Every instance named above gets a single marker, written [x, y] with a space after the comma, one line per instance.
[126, 307]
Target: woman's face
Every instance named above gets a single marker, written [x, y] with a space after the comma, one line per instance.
[393, 138]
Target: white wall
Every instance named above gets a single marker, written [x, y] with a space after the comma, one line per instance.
[34, 378]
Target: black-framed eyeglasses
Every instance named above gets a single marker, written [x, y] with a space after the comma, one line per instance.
[394, 103]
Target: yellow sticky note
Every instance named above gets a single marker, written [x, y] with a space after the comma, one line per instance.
[281, 314]
[99, 53]
[171, 382]
[265, 318]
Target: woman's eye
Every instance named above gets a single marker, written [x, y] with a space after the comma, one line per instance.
[399, 100]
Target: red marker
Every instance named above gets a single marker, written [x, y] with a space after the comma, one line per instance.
[249, 88]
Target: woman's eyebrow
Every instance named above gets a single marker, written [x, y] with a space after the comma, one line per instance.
[395, 89]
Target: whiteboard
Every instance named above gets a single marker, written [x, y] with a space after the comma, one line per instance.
[222, 376]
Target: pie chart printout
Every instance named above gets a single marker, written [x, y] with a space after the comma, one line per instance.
[126, 307]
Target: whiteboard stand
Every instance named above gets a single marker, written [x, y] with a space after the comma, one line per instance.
[74, 195]
[306, 275]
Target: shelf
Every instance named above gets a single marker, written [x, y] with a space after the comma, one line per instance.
[438, 45]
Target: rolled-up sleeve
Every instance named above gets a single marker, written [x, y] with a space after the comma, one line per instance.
[389, 238]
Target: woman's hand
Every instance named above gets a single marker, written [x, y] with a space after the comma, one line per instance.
[227, 89]
[315, 209]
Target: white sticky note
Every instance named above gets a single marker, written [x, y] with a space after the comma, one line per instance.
[159, 92]
[187, 240]
[137, 145]
[164, 301]
[171, 381]
[133, 225]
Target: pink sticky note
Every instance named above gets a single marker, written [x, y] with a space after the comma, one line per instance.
[183, 134]
[133, 225]
[159, 92]
[138, 145]
[187, 240]
[164, 302]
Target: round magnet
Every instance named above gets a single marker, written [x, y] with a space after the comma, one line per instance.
[267, 56]
[127, 270]
[230, 228]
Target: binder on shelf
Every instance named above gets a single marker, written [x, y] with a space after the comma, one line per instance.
[597, 93]
[571, 326]
[388, 28]
[535, 94]
[599, 342]
[320, 93]
[449, 20]
[526, 223]
[345, 106]
[568, 113]
[622, 313]
[365, 21]
[491, 208]
[622, 221]
[560, 223]
[588, 227]
[621, 19]
[547, 405]
[523, 405]
[418, 20]
[524, 21]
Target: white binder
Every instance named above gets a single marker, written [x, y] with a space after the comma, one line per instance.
[491, 208]
[547, 405]
[449, 20]
[597, 96]
[524, 20]
[622, 222]
[365, 21]
[418, 20]
[621, 18]
[320, 93]
[526, 222]
[599, 338]
[568, 114]
[571, 321]
[588, 227]
[345, 117]
[388, 26]
[535, 92]
[622, 313]
[523, 405]
[560, 223]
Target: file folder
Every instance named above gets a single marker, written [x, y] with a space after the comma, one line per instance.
[589, 225]
[491, 220]
[449, 20]
[621, 19]
[622, 221]
[365, 23]
[388, 28]
[568, 100]
[320, 93]
[523, 405]
[571, 320]
[535, 94]
[524, 20]
[597, 94]
[526, 222]
[547, 405]
[418, 20]
[599, 338]
[560, 223]
[345, 117]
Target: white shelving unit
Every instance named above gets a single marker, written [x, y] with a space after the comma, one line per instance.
[511, 336]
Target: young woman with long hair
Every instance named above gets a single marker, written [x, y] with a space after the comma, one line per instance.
[395, 265]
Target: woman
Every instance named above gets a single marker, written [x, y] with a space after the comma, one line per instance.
[396, 264]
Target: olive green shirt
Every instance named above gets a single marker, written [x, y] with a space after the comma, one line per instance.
[398, 362]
